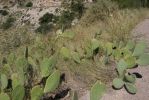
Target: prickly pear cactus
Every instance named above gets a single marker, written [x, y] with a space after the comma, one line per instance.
[97, 91]
[131, 88]
[18, 93]
[118, 83]
[46, 67]
[52, 82]
[65, 52]
[4, 96]
[76, 57]
[36, 93]
[3, 81]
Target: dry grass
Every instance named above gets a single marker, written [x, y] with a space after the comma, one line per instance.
[116, 27]
[14, 38]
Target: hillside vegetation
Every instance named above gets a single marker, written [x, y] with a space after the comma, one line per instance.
[68, 51]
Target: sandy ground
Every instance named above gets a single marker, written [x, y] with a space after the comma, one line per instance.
[141, 32]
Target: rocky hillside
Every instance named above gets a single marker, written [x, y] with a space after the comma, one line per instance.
[29, 12]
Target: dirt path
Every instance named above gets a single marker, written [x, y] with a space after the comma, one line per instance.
[141, 32]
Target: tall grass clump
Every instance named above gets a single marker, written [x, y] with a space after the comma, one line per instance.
[120, 25]
[107, 20]
[99, 10]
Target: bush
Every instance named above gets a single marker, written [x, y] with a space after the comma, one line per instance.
[99, 10]
[9, 23]
[4, 12]
[71, 9]
[29, 4]
[75, 6]
[65, 19]
[46, 18]
[44, 28]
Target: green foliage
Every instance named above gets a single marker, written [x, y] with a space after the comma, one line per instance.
[29, 4]
[44, 28]
[121, 67]
[139, 49]
[130, 45]
[18, 93]
[9, 23]
[118, 83]
[65, 52]
[46, 23]
[4, 12]
[97, 91]
[92, 48]
[36, 93]
[16, 80]
[21, 63]
[6, 69]
[46, 18]
[38, 64]
[108, 48]
[77, 7]
[70, 35]
[4, 96]
[95, 44]
[76, 57]
[88, 50]
[130, 78]
[3, 81]
[11, 58]
[143, 59]
[71, 9]
[52, 82]
[131, 88]
[65, 19]
[46, 66]
[131, 62]
[130, 58]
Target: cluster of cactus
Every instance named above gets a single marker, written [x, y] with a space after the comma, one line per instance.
[40, 61]
[129, 57]
[17, 69]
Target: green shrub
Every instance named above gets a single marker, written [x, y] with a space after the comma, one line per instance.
[29, 4]
[72, 9]
[46, 18]
[4, 12]
[65, 19]
[44, 28]
[78, 8]
[9, 23]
